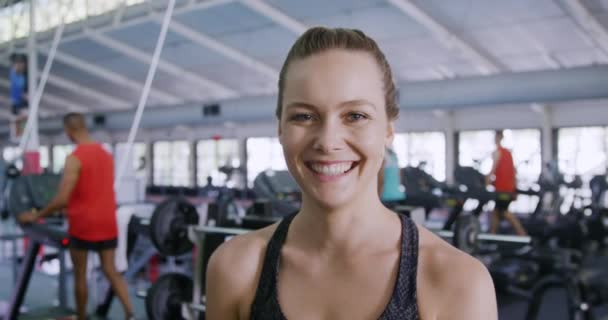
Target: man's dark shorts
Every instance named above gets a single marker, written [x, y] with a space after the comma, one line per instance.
[81, 244]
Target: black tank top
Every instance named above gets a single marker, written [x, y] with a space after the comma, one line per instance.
[402, 305]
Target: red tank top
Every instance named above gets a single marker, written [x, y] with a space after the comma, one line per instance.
[92, 204]
[505, 172]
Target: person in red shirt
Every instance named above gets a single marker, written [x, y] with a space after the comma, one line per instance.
[504, 180]
[87, 190]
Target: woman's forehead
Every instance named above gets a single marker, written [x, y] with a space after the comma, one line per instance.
[334, 76]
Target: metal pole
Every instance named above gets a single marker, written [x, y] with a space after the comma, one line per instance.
[61, 289]
[144, 96]
[31, 126]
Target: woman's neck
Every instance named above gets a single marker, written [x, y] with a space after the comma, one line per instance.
[343, 228]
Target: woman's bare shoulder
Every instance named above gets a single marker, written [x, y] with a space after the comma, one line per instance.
[242, 253]
[462, 282]
[233, 272]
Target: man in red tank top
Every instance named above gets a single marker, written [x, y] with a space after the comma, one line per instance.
[504, 180]
[87, 190]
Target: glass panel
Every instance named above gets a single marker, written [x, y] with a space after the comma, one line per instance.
[60, 152]
[582, 151]
[211, 155]
[172, 163]
[426, 149]
[476, 147]
[263, 154]
[138, 155]
[9, 154]
[44, 157]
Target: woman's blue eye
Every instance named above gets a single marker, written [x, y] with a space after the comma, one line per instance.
[301, 117]
[356, 117]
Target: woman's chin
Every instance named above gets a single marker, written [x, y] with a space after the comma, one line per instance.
[332, 199]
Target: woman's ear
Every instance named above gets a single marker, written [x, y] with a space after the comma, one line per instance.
[390, 134]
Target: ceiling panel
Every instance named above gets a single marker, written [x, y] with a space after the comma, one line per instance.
[132, 36]
[188, 53]
[303, 10]
[88, 50]
[394, 23]
[246, 82]
[415, 51]
[596, 6]
[577, 58]
[473, 14]
[526, 62]
[271, 40]
[223, 20]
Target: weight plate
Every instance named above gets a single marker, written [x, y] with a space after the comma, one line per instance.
[165, 297]
[465, 233]
[169, 226]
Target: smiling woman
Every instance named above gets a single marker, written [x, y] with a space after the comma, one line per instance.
[343, 255]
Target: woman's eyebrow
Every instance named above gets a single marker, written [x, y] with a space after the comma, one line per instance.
[349, 103]
[299, 105]
[357, 102]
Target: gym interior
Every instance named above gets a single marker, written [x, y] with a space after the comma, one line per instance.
[182, 94]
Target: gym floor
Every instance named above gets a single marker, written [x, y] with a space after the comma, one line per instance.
[42, 293]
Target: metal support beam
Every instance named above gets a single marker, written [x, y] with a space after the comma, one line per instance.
[483, 62]
[51, 98]
[580, 83]
[276, 15]
[63, 103]
[4, 113]
[113, 77]
[548, 57]
[109, 101]
[220, 90]
[584, 18]
[120, 12]
[231, 53]
[544, 113]
[443, 72]
[447, 119]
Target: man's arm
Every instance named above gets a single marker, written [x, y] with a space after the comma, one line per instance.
[71, 172]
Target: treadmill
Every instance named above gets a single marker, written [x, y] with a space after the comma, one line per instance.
[28, 192]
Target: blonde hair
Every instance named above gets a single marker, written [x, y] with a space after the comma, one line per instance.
[320, 39]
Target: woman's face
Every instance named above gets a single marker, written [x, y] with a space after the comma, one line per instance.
[334, 126]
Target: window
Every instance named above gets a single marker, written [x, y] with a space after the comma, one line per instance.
[60, 153]
[422, 148]
[263, 154]
[138, 156]
[10, 153]
[213, 154]
[44, 157]
[172, 163]
[583, 151]
[476, 147]
[15, 18]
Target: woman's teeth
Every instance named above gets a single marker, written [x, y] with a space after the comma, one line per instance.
[331, 170]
